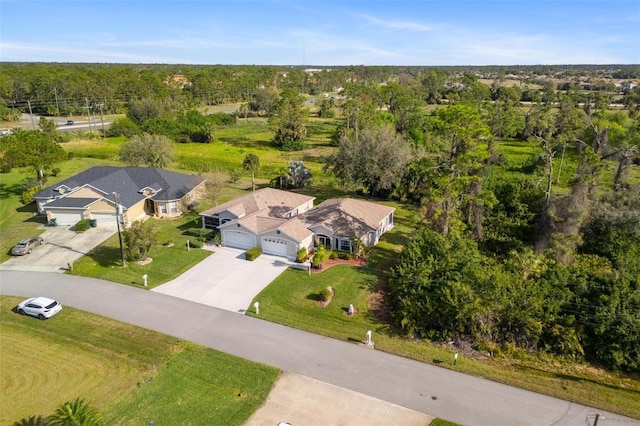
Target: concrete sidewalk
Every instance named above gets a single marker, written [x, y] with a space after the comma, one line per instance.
[225, 279]
[299, 400]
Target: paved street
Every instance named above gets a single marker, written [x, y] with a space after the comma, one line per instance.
[425, 388]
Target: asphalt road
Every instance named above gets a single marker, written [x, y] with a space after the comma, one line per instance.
[429, 389]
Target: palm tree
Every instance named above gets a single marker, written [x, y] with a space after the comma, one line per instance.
[251, 163]
[33, 421]
[76, 413]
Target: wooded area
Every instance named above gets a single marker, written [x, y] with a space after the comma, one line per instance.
[527, 186]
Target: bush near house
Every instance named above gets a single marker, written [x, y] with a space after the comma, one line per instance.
[301, 256]
[201, 233]
[194, 243]
[83, 225]
[253, 253]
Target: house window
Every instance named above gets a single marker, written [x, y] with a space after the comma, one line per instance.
[345, 245]
[174, 207]
[211, 222]
[324, 241]
[163, 208]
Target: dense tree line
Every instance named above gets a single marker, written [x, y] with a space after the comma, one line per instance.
[538, 255]
[79, 89]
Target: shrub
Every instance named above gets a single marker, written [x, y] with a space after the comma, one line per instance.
[235, 175]
[319, 257]
[83, 225]
[27, 195]
[324, 294]
[333, 254]
[301, 256]
[345, 255]
[123, 127]
[253, 253]
[200, 233]
[222, 119]
[195, 243]
[138, 239]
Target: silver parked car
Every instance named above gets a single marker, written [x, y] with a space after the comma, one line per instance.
[41, 307]
[26, 246]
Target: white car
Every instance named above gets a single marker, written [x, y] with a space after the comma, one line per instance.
[41, 307]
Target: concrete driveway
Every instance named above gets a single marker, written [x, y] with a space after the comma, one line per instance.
[300, 400]
[61, 246]
[225, 279]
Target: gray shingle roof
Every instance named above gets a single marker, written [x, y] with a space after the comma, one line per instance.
[78, 203]
[127, 182]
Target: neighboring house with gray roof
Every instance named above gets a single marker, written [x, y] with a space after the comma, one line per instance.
[141, 192]
[282, 222]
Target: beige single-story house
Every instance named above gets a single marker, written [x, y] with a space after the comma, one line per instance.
[283, 222]
[140, 192]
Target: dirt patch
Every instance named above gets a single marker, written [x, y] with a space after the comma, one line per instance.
[377, 304]
[146, 261]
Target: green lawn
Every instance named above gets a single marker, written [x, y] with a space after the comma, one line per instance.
[129, 374]
[170, 257]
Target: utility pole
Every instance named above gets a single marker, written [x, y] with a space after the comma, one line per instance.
[104, 135]
[88, 108]
[118, 213]
[55, 92]
[33, 125]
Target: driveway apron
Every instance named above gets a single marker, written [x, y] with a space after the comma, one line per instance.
[225, 279]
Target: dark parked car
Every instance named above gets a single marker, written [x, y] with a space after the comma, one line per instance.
[69, 122]
[26, 246]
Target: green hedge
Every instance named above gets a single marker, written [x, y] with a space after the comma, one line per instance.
[83, 225]
[253, 253]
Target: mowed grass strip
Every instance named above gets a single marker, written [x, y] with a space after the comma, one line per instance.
[198, 386]
[128, 373]
[170, 257]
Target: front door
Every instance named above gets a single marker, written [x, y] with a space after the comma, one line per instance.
[325, 241]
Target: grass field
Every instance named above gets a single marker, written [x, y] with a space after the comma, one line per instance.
[129, 374]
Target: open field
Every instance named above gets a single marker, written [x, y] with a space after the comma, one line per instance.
[129, 374]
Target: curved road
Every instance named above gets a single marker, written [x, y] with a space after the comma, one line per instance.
[432, 390]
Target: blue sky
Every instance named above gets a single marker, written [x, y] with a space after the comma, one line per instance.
[305, 32]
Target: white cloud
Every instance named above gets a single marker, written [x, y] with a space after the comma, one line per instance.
[396, 25]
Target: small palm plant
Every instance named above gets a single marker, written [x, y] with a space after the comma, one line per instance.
[76, 413]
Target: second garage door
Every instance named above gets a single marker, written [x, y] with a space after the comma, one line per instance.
[275, 246]
[238, 239]
[104, 219]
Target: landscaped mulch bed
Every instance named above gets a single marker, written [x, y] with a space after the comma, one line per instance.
[332, 262]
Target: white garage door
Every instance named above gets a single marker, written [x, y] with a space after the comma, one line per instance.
[238, 239]
[104, 219]
[274, 246]
[67, 218]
